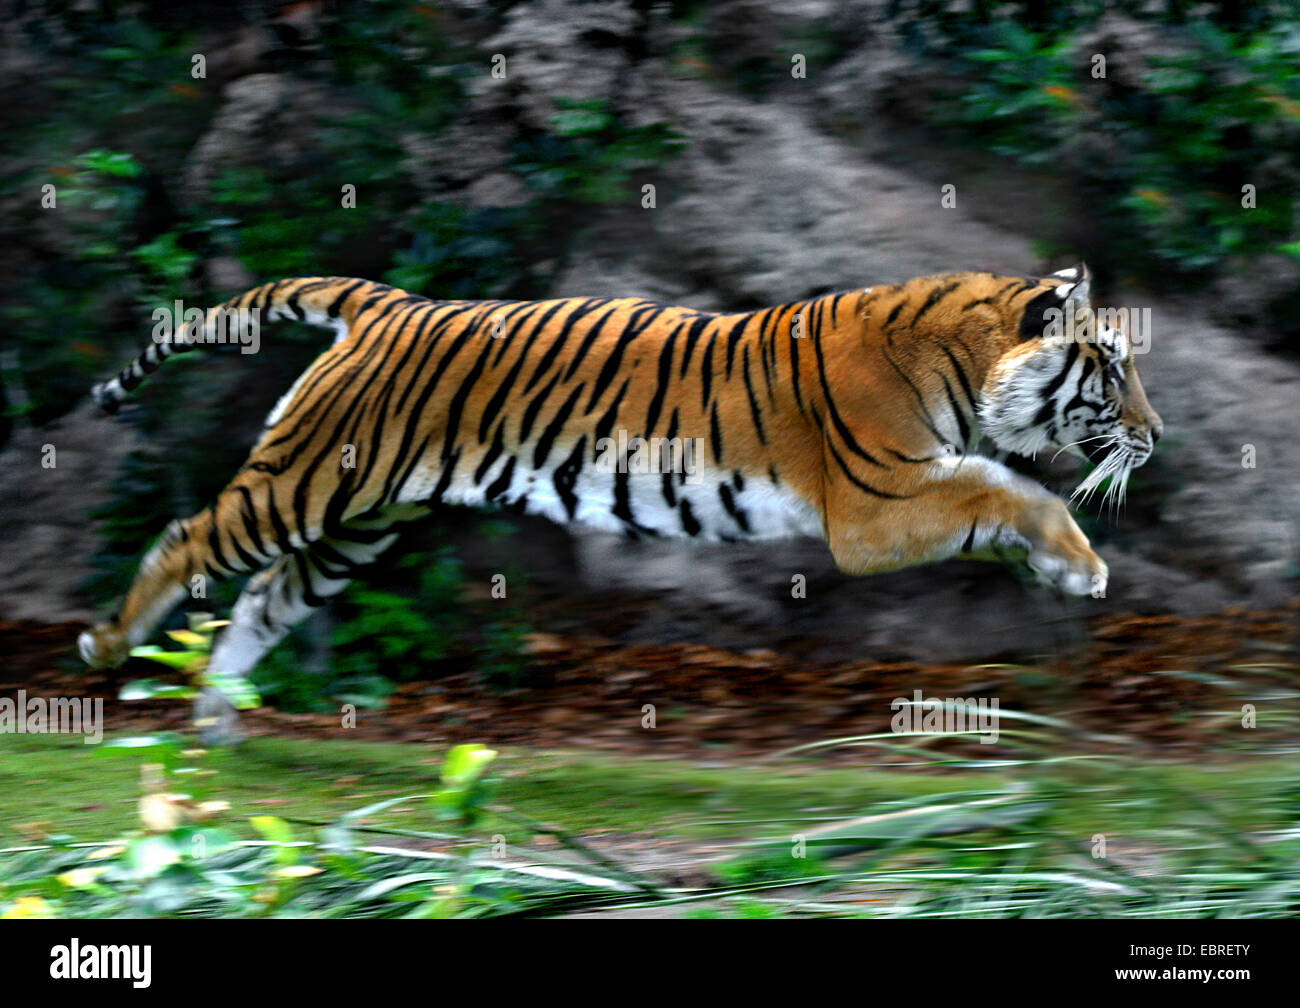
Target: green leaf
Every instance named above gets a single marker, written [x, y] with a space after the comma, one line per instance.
[148, 856]
[152, 689]
[165, 742]
[172, 659]
[272, 828]
[277, 831]
[465, 763]
[241, 693]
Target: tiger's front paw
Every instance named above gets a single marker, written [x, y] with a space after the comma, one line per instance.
[103, 647]
[1074, 576]
[1061, 557]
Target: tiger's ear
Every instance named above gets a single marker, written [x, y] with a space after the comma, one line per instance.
[1070, 297]
[1074, 287]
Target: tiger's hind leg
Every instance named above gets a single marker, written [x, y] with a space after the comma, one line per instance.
[279, 598]
[161, 582]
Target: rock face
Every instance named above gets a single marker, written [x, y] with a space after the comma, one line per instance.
[763, 205]
[47, 496]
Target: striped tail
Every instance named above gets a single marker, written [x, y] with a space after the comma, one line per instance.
[327, 301]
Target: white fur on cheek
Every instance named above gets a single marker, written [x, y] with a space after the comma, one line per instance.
[1012, 400]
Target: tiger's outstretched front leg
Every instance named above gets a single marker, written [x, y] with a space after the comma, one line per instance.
[955, 506]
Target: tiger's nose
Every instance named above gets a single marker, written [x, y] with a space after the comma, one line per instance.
[1156, 430]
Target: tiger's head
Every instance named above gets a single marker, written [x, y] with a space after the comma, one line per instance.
[1070, 384]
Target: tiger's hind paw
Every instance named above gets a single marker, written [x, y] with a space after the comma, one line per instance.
[103, 647]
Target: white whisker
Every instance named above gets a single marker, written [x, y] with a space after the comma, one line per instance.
[1117, 467]
[1109, 466]
[1099, 437]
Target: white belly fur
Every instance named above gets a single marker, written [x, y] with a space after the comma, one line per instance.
[771, 510]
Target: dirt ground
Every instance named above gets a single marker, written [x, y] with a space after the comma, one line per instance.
[1152, 681]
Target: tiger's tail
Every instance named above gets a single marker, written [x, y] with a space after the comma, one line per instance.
[327, 301]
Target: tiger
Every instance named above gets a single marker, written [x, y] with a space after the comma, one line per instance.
[854, 417]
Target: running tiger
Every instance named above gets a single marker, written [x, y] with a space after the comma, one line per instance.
[852, 416]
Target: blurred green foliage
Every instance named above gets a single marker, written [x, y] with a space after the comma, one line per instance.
[1162, 164]
[412, 621]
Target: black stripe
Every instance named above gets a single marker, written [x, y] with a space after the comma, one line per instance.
[840, 426]
[692, 337]
[596, 332]
[278, 528]
[670, 494]
[963, 429]
[689, 523]
[552, 430]
[406, 459]
[920, 399]
[737, 513]
[622, 508]
[580, 310]
[859, 483]
[503, 389]
[534, 407]
[935, 297]
[502, 483]
[505, 341]
[398, 380]
[961, 377]
[491, 455]
[566, 475]
[706, 370]
[456, 408]
[733, 337]
[794, 369]
[1071, 356]
[661, 385]
[541, 323]
[606, 423]
[767, 348]
[753, 402]
[268, 293]
[249, 513]
[214, 543]
[609, 371]
[305, 586]
[292, 303]
[333, 310]
[908, 458]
